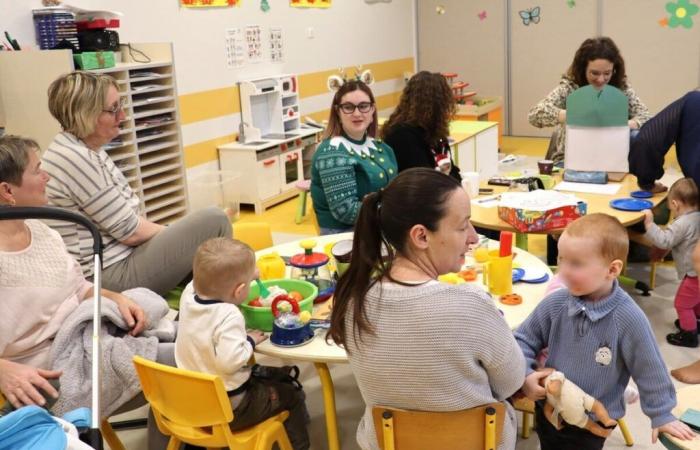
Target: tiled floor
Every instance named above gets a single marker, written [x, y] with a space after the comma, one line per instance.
[658, 307]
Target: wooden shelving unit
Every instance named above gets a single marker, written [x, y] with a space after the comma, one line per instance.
[148, 150]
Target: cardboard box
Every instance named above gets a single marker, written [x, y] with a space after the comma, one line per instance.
[94, 60]
[534, 211]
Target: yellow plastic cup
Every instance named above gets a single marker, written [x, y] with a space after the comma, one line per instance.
[481, 254]
[498, 273]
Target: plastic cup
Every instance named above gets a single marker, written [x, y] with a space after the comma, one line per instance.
[545, 166]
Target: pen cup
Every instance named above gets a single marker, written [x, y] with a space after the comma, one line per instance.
[498, 273]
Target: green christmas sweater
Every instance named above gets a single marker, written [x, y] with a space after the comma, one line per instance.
[343, 172]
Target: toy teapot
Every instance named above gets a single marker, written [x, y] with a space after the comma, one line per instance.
[290, 328]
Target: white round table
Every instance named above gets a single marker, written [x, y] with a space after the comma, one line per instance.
[321, 353]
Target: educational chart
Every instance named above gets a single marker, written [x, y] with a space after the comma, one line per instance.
[253, 39]
[276, 45]
[235, 48]
[310, 3]
[208, 3]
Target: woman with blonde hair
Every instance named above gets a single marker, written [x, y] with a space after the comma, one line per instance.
[137, 252]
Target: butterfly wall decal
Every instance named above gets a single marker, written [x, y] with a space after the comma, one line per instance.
[530, 15]
[482, 15]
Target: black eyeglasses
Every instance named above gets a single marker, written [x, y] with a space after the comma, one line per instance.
[115, 109]
[349, 108]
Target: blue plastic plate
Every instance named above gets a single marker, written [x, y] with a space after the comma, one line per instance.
[518, 275]
[641, 194]
[631, 204]
[534, 274]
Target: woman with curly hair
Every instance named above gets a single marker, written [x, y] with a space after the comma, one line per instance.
[597, 62]
[418, 128]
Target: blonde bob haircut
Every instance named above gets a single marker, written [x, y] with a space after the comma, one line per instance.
[610, 236]
[221, 264]
[77, 99]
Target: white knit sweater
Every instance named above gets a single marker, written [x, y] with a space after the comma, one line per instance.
[435, 347]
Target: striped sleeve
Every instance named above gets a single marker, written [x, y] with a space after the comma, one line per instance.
[89, 185]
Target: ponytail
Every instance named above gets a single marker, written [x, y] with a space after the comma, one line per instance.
[367, 266]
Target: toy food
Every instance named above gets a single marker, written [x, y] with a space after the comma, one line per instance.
[511, 299]
[468, 274]
[568, 402]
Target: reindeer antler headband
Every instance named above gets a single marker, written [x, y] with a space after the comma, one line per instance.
[335, 82]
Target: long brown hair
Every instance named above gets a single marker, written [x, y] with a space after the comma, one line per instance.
[415, 196]
[335, 127]
[598, 48]
[427, 101]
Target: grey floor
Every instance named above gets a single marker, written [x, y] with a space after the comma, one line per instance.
[658, 307]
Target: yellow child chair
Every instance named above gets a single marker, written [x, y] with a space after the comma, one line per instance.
[399, 429]
[527, 407]
[193, 408]
[256, 234]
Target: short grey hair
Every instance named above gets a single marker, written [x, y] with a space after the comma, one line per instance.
[14, 157]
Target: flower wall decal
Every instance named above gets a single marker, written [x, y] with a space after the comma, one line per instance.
[681, 13]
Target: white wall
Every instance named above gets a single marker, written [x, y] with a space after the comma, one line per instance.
[349, 32]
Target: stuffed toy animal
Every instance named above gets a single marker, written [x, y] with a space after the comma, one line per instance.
[568, 402]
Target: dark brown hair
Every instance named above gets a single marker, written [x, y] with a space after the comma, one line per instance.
[598, 48]
[427, 101]
[416, 196]
[335, 127]
[685, 191]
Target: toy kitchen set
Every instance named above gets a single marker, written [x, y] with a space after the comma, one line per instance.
[274, 149]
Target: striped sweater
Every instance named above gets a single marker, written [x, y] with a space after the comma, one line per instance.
[87, 182]
[598, 345]
[343, 172]
[435, 347]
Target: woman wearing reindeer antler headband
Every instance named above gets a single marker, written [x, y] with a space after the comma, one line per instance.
[349, 163]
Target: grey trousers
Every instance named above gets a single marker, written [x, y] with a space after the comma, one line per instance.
[165, 260]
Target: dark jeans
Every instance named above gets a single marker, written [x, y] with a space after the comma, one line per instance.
[568, 438]
[264, 398]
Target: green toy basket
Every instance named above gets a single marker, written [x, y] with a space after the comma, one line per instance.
[261, 318]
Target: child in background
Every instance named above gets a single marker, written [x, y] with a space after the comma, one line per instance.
[212, 339]
[594, 332]
[680, 237]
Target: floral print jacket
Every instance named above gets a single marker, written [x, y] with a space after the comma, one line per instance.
[546, 114]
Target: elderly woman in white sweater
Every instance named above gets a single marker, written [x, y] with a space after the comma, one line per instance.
[415, 343]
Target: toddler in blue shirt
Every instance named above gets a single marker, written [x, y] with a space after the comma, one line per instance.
[597, 336]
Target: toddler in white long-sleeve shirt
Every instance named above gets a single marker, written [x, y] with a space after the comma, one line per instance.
[212, 338]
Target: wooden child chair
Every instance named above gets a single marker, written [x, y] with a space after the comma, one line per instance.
[399, 429]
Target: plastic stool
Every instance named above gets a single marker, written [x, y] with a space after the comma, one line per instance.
[304, 187]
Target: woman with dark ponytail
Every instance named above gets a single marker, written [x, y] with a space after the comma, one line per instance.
[412, 342]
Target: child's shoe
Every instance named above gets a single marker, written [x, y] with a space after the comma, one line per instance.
[683, 338]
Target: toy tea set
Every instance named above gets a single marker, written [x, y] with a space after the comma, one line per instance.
[497, 269]
[284, 305]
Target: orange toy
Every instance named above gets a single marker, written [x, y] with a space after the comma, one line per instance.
[468, 274]
[511, 299]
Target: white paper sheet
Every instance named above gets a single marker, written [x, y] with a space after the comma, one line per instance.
[597, 149]
[538, 200]
[588, 188]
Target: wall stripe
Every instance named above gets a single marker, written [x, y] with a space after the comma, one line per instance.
[214, 103]
[204, 152]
